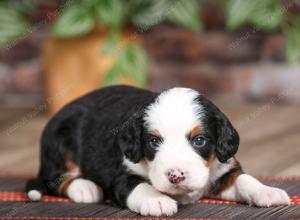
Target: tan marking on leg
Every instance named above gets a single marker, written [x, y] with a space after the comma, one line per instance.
[230, 182]
[72, 174]
[70, 165]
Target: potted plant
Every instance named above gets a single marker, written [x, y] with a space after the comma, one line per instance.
[96, 43]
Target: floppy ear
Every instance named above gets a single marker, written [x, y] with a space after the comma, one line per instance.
[130, 138]
[227, 137]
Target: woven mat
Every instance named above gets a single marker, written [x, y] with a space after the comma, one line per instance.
[14, 205]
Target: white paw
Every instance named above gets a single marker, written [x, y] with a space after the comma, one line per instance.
[269, 196]
[256, 193]
[84, 191]
[146, 200]
[158, 206]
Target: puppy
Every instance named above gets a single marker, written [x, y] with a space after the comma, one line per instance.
[146, 151]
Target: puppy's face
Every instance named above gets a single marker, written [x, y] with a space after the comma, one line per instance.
[179, 135]
[180, 139]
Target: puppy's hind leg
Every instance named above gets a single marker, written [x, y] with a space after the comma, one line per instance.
[84, 191]
[67, 182]
[76, 188]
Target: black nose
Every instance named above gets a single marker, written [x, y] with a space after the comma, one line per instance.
[175, 176]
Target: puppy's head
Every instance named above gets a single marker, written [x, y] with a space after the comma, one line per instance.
[178, 135]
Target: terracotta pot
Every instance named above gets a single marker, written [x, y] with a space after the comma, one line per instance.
[75, 66]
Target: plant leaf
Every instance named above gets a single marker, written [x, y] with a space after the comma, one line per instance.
[186, 13]
[131, 62]
[12, 26]
[266, 15]
[112, 76]
[110, 12]
[134, 63]
[22, 6]
[238, 12]
[74, 21]
[293, 42]
[147, 13]
[111, 42]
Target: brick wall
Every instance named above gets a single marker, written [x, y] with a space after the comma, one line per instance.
[242, 65]
[20, 72]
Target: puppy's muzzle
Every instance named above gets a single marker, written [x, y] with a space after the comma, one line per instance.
[175, 176]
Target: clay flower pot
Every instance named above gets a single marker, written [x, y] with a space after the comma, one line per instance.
[75, 66]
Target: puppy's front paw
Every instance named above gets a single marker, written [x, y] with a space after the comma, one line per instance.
[146, 200]
[255, 193]
[84, 191]
[158, 206]
[269, 196]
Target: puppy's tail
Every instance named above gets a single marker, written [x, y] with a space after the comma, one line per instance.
[35, 189]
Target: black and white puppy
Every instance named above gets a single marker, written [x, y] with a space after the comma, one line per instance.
[146, 151]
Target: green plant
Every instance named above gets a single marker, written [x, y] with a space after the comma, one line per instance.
[264, 15]
[131, 60]
[267, 15]
[78, 17]
[13, 22]
[293, 41]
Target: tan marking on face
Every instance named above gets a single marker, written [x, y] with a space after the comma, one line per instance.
[156, 134]
[211, 160]
[195, 131]
[146, 160]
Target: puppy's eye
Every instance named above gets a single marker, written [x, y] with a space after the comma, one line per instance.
[154, 141]
[198, 141]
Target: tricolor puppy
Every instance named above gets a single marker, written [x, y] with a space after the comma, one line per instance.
[146, 151]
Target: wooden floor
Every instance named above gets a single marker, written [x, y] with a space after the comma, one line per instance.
[270, 138]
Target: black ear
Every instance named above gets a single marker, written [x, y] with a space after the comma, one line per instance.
[227, 137]
[130, 138]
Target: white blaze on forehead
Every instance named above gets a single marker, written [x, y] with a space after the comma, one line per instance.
[174, 114]
[175, 111]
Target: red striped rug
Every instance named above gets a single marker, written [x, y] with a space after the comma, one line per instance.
[14, 205]
[21, 196]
